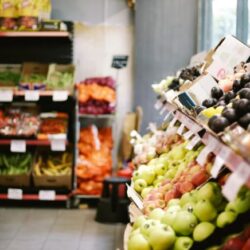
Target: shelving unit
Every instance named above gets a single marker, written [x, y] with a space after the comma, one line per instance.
[42, 47]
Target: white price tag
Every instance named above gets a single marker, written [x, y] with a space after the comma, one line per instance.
[188, 135]
[180, 129]
[57, 136]
[58, 145]
[202, 157]
[31, 95]
[60, 95]
[195, 140]
[158, 104]
[163, 110]
[235, 181]
[218, 164]
[15, 194]
[47, 195]
[18, 146]
[6, 95]
[172, 123]
[135, 197]
[220, 160]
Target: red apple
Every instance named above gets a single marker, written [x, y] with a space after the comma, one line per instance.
[199, 178]
[246, 245]
[246, 234]
[234, 244]
[186, 186]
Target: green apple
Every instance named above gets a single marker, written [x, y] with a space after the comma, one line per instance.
[225, 218]
[162, 237]
[158, 180]
[210, 191]
[187, 198]
[134, 232]
[136, 175]
[170, 215]
[174, 208]
[153, 162]
[189, 206]
[147, 226]
[239, 205]
[139, 185]
[148, 175]
[146, 191]
[139, 221]
[184, 223]
[156, 214]
[170, 174]
[173, 202]
[183, 243]
[138, 242]
[160, 169]
[203, 230]
[205, 211]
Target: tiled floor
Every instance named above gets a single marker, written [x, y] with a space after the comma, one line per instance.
[56, 229]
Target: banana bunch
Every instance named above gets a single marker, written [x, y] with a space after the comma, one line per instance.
[53, 165]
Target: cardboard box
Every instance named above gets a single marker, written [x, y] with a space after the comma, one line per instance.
[227, 54]
[197, 91]
[61, 76]
[53, 181]
[15, 180]
[10, 75]
[34, 76]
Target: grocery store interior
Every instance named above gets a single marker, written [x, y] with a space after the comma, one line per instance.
[125, 125]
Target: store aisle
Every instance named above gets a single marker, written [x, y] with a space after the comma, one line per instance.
[56, 229]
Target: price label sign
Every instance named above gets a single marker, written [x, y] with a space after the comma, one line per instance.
[15, 194]
[188, 135]
[119, 61]
[60, 95]
[6, 95]
[180, 129]
[58, 145]
[18, 146]
[194, 141]
[135, 197]
[235, 181]
[220, 160]
[47, 195]
[31, 95]
[158, 104]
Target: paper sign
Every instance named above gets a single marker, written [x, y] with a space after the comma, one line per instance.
[60, 95]
[235, 181]
[57, 136]
[58, 145]
[18, 146]
[6, 95]
[163, 110]
[172, 123]
[180, 129]
[188, 135]
[135, 197]
[158, 104]
[15, 194]
[202, 157]
[31, 95]
[195, 140]
[220, 160]
[47, 195]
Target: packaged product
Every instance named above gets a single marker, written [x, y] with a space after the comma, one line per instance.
[28, 12]
[8, 15]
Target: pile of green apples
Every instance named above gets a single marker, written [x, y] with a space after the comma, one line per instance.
[192, 218]
[158, 169]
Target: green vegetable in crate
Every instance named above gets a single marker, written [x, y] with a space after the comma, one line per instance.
[60, 80]
[9, 78]
[15, 164]
[34, 78]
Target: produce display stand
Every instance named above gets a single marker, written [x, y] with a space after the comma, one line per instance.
[223, 164]
[42, 47]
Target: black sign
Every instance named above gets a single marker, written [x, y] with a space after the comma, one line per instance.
[119, 62]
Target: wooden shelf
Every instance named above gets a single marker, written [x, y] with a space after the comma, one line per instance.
[35, 34]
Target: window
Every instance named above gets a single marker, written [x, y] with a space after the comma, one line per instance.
[219, 18]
